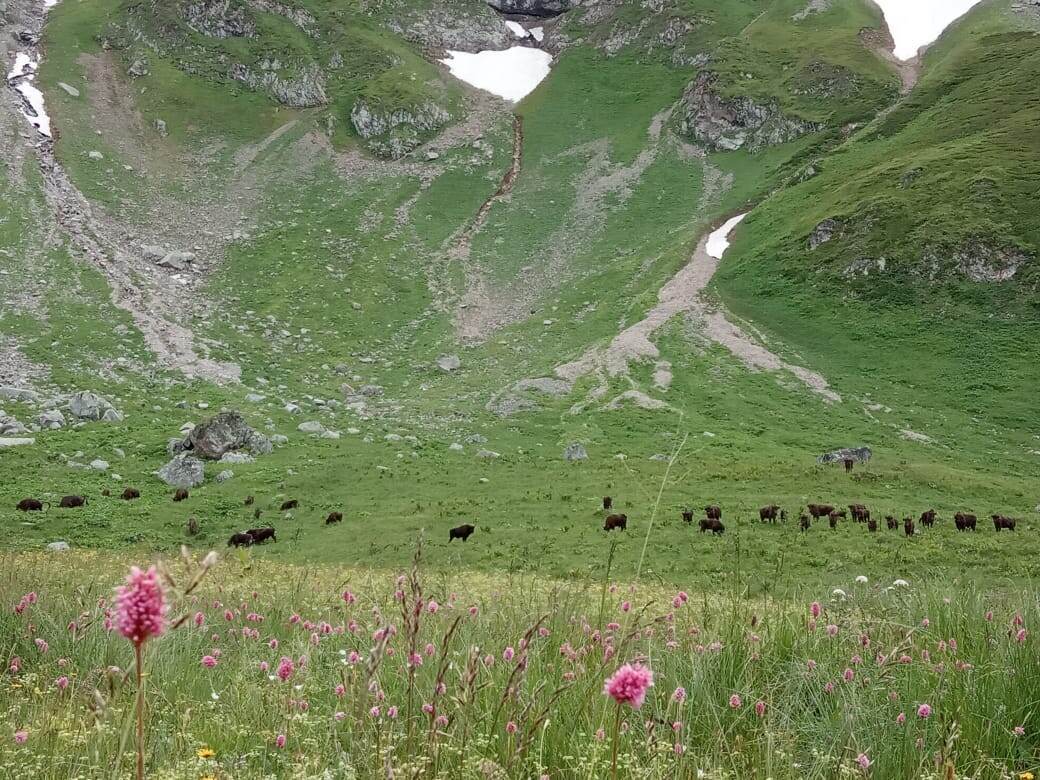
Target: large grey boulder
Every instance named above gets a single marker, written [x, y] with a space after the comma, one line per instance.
[21, 394]
[545, 8]
[449, 363]
[824, 232]
[184, 471]
[58, 546]
[6, 442]
[858, 454]
[86, 405]
[575, 452]
[311, 426]
[51, 419]
[225, 432]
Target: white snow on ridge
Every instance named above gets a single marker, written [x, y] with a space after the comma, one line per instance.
[718, 240]
[517, 29]
[21, 77]
[511, 74]
[538, 33]
[917, 23]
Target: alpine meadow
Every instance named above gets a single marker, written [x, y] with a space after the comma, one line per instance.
[488, 389]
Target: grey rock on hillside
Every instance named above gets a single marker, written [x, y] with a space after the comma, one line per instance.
[727, 124]
[301, 85]
[184, 471]
[86, 405]
[395, 132]
[533, 7]
[225, 432]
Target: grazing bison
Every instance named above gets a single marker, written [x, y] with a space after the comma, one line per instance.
[770, 513]
[834, 517]
[908, 526]
[180, 495]
[849, 462]
[71, 502]
[106, 492]
[616, 521]
[291, 504]
[891, 522]
[130, 494]
[248, 501]
[334, 517]
[712, 524]
[240, 540]
[31, 505]
[687, 515]
[928, 518]
[713, 512]
[965, 521]
[820, 510]
[608, 503]
[261, 535]
[803, 522]
[859, 513]
[462, 532]
[1002, 523]
[193, 527]
[872, 526]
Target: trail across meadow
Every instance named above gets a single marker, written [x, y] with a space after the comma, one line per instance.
[252, 670]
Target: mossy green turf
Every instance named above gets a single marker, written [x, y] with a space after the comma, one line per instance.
[933, 355]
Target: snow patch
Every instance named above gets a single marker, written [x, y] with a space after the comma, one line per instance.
[718, 241]
[21, 78]
[517, 29]
[917, 23]
[511, 74]
[538, 33]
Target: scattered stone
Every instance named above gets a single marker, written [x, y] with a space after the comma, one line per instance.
[237, 457]
[184, 471]
[449, 363]
[94, 154]
[393, 437]
[488, 454]
[659, 457]
[476, 438]
[432, 155]
[111, 415]
[173, 446]
[226, 432]
[330, 435]
[255, 398]
[575, 452]
[824, 232]
[20, 394]
[118, 452]
[292, 408]
[58, 547]
[372, 391]
[279, 439]
[99, 465]
[859, 454]
[89, 406]
[71, 90]
[160, 127]
[311, 426]
[456, 447]
[14, 442]
[225, 475]
[138, 68]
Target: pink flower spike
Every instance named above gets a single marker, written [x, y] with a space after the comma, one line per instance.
[924, 711]
[629, 684]
[209, 661]
[141, 606]
[21, 736]
[510, 728]
[815, 609]
[62, 682]
[735, 702]
[1019, 731]
[279, 741]
[760, 708]
[863, 761]
[901, 718]
[680, 695]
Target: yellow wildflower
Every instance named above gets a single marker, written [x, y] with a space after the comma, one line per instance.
[205, 752]
[1025, 776]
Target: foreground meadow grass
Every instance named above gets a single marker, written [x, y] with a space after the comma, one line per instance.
[279, 671]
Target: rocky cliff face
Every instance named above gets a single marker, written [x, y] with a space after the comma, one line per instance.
[533, 7]
[394, 133]
[219, 19]
[300, 86]
[978, 259]
[727, 124]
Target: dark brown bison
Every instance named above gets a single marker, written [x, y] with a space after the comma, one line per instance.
[833, 518]
[713, 512]
[71, 502]
[1002, 523]
[608, 503]
[872, 526]
[291, 504]
[908, 526]
[180, 495]
[31, 505]
[616, 521]
[130, 494]
[849, 463]
[803, 522]
[770, 513]
[687, 515]
[859, 513]
[106, 492]
[928, 518]
[461, 532]
[261, 535]
[891, 522]
[256, 513]
[820, 510]
[240, 540]
[248, 501]
[712, 524]
[965, 521]
[334, 517]
[192, 528]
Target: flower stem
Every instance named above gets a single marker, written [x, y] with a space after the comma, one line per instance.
[613, 753]
[140, 710]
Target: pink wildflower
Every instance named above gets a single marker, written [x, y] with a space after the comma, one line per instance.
[510, 728]
[600, 735]
[901, 718]
[629, 684]
[279, 741]
[285, 668]
[1021, 635]
[141, 606]
[679, 695]
[863, 761]
[832, 630]
[21, 736]
[432, 607]
[508, 653]
[340, 691]
[264, 666]
[924, 711]
[391, 712]
[1019, 731]
[849, 675]
[209, 661]
[625, 606]
[815, 610]
[735, 702]
[760, 708]
[374, 712]
[62, 682]
[41, 645]
[339, 715]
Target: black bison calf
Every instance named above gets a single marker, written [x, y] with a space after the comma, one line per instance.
[803, 522]
[964, 521]
[30, 505]
[106, 492]
[192, 527]
[928, 518]
[334, 517]
[608, 503]
[240, 540]
[712, 524]
[872, 526]
[834, 517]
[891, 522]
[687, 515]
[130, 494]
[714, 512]
[256, 513]
[248, 501]
[1002, 523]
[615, 521]
[859, 513]
[71, 502]
[908, 526]
[261, 535]
[462, 532]
[180, 495]
[291, 504]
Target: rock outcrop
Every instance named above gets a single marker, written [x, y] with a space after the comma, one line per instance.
[395, 132]
[223, 433]
[825, 231]
[727, 124]
[86, 405]
[546, 8]
[858, 454]
[219, 19]
[184, 471]
[299, 85]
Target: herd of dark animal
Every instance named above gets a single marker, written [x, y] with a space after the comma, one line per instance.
[712, 520]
